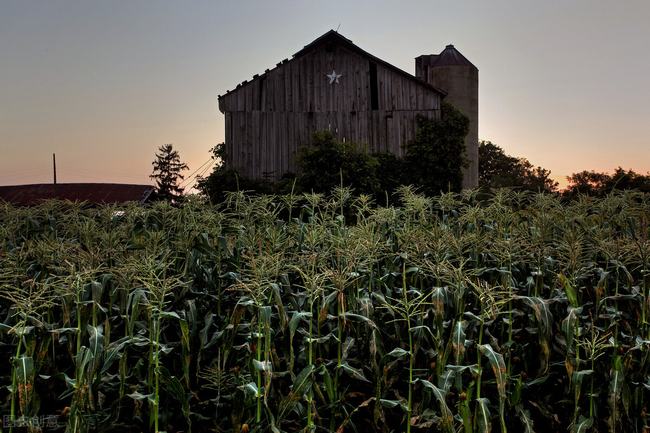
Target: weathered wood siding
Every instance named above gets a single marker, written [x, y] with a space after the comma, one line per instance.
[270, 117]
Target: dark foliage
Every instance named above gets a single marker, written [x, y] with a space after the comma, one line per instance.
[329, 163]
[223, 180]
[434, 160]
[600, 184]
[497, 169]
[167, 172]
[390, 172]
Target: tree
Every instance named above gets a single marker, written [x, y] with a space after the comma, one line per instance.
[167, 169]
[600, 184]
[497, 169]
[435, 159]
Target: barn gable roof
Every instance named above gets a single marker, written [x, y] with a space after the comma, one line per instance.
[336, 37]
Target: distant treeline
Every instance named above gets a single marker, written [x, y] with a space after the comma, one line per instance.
[433, 162]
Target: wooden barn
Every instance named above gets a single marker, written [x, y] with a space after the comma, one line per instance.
[331, 84]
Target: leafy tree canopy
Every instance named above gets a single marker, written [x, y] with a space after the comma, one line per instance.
[600, 184]
[435, 159]
[497, 169]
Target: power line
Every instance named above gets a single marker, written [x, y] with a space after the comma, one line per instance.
[201, 174]
[187, 182]
[204, 171]
[187, 179]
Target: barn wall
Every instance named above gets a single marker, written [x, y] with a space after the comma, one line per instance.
[267, 119]
[271, 151]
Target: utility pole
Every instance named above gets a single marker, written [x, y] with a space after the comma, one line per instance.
[54, 166]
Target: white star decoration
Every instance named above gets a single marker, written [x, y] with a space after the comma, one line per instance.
[334, 77]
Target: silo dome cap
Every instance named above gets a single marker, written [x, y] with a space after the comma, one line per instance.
[450, 56]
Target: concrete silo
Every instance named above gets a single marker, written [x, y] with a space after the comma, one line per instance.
[453, 73]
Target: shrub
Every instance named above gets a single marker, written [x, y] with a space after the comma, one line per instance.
[328, 162]
[435, 159]
[390, 172]
[223, 180]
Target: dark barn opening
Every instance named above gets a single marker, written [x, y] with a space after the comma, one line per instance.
[374, 91]
[260, 95]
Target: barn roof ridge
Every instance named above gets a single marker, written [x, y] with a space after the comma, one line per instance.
[334, 34]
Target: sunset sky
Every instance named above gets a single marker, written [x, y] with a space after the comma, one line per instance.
[565, 84]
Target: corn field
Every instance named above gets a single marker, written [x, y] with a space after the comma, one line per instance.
[309, 313]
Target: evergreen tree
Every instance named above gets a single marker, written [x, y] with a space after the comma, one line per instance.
[167, 172]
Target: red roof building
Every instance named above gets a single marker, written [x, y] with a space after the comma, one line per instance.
[96, 193]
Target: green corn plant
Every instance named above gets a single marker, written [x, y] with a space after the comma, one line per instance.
[85, 361]
[28, 301]
[614, 396]
[573, 331]
[560, 283]
[544, 318]
[341, 278]
[218, 379]
[313, 284]
[257, 284]
[446, 416]
[500, 373]
[158, 286]
[594, 346]
[405, 309]
[449, 294]
[491, 301]
[88, 361]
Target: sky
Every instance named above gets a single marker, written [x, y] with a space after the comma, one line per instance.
[565, 84]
